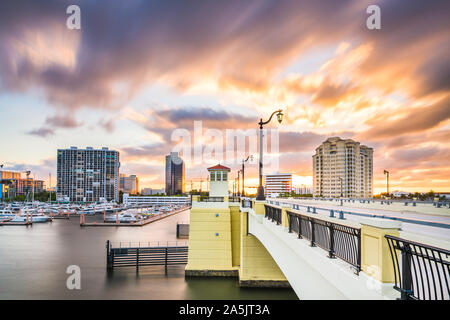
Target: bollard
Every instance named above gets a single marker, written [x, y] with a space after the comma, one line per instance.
[341, 215]
[314, 210]
[331, 213]
[439, 205]
[341, 203]
[414, 204]
[381, 202]
[308, 209]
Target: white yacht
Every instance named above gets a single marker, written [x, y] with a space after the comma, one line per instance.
[122, 217]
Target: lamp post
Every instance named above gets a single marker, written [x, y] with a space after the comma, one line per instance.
[238, 191]
[243, 170]
[387, 182]
[260, 195]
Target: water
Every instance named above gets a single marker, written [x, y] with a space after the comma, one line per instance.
[33, 262]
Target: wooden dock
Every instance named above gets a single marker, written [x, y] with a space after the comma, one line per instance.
[139, 223]
[8, 222]
[137, 256]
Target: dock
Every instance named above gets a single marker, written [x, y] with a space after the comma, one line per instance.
[135, 255]
[130, 224]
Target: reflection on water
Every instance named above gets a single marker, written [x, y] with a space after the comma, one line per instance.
[33, 262]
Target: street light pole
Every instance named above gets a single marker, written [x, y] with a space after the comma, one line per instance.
[243, 170]
[260, 195]
[238, 191]
[387, 182]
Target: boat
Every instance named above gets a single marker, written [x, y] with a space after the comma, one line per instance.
[37, 217]
[122, 217]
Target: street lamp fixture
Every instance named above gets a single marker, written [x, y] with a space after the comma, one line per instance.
[279, 113]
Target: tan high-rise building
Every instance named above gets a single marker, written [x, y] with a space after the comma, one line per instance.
[129, 184]
[343, 168]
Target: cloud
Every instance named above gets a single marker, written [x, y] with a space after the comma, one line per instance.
[41, 132]
[107, 124]
[41, 170]
[387, 87]
[66, 121]
[416, 120]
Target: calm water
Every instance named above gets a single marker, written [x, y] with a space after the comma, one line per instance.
[33, 262]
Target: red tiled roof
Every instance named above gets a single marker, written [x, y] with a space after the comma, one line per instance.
[219, 167]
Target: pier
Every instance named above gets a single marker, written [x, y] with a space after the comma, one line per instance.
[139, 223]
[137, 255]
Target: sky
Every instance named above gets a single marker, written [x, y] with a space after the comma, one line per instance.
[137, 71]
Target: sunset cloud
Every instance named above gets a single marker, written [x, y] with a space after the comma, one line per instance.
[151, 67]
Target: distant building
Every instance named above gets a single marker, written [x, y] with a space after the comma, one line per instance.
[88, 175]
[12, 184]
[174, 174]
[151, 191]
[155, 200]
[129, 184]
[398, 194]
[277, 184]
[343, 168]
[303, 190]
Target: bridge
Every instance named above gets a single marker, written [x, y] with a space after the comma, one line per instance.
[330, 258]
[277, 243]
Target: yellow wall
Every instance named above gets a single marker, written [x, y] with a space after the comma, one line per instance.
[256, 262]
[376, 259]
[235, 235]
[232, 249]
[208, 251]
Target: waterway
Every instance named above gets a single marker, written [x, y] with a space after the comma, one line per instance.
[34, 259]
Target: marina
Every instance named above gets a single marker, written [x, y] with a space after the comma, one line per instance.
[25, 214]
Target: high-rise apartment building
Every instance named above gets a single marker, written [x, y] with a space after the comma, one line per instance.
[277, 184]
[88, 174]
[174, 174]
[343, 168]
[129, 184]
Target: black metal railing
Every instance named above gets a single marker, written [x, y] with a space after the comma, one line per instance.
[246, 203]
[273, 213]
[136, 255]
[234, 199]
[421, 271]
[339, 240]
